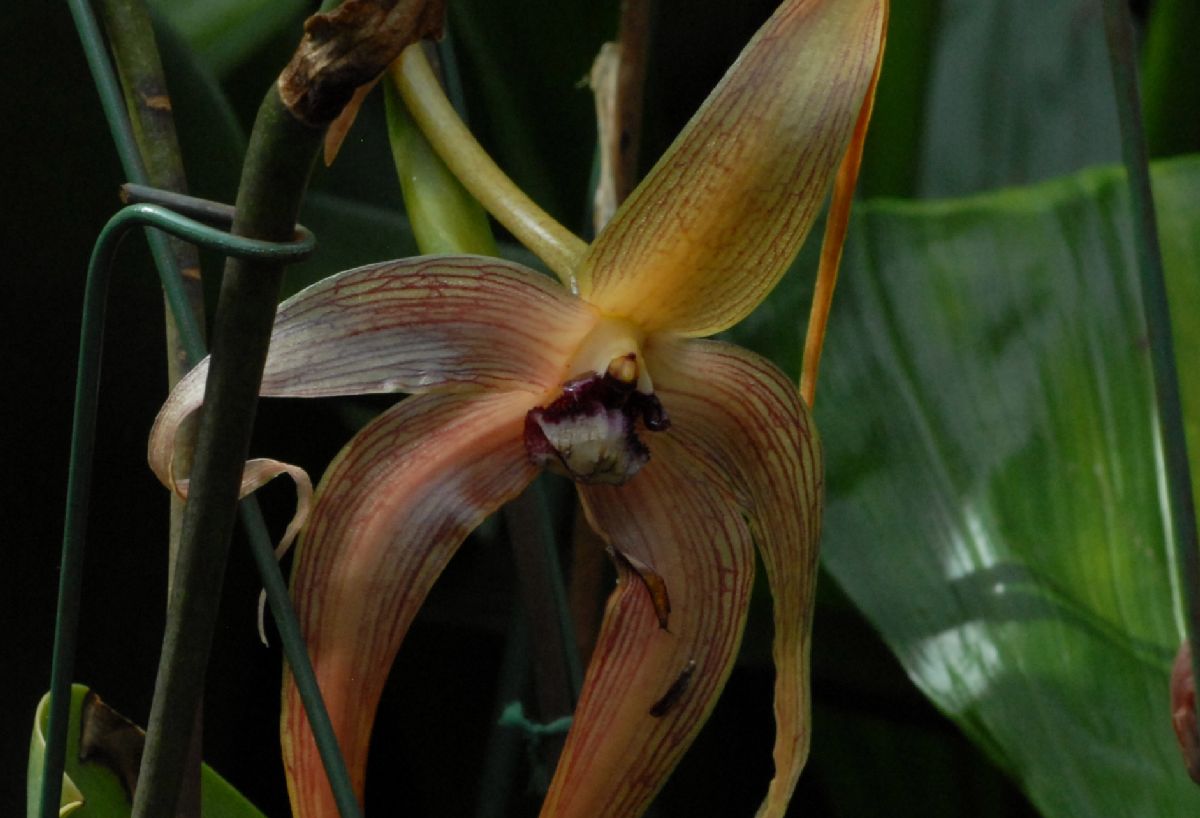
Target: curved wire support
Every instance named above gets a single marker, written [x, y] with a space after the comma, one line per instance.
[184, 217]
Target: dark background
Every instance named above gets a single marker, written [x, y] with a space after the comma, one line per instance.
[879, 747]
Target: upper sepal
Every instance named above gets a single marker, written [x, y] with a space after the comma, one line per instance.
[720, 217]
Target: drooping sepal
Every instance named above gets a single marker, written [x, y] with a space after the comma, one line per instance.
[649, 688]
[390, 512]
[745, 425]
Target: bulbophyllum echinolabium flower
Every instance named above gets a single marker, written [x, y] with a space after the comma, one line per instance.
[687, 452]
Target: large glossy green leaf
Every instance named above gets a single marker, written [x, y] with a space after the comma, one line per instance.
[94, 788]
[1019, 91]
[226, 33]
[995, 492]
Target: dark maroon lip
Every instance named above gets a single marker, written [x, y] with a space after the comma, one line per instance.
[607, 403]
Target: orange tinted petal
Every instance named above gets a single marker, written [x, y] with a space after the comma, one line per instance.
[416, 325]
[718, 220]
[421, 324]
[743, 419]
[392, 509]
[648, 690]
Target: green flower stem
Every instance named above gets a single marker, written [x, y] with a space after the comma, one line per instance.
[131, 39]
[560, 249]
[113, 104]
[445, 218]
[557, 674]
[278, 164]
[83, 436]
[1169, 87]
[1119, 31]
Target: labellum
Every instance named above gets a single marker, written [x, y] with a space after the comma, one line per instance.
[589, 432]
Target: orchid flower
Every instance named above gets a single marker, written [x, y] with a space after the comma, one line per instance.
[687, 452]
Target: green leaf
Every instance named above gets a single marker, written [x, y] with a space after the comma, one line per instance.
[444, 217]
[1019, 91]
[94, 788]
[894, 142]
[995, 493]
[226, 33]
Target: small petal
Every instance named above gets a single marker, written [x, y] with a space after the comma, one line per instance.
[743, 419]
[390, 512]
[417, 325]
[649, 689]
[718, 220]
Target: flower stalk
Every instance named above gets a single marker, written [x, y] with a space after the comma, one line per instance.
[278, 163]
[131, 38]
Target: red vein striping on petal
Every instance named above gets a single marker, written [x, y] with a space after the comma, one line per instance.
[622, 747]
[455, 323]
[424, 323]
[720, 217]
[390, 512]
[746, 423]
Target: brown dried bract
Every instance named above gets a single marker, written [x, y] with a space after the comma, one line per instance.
[349, 47]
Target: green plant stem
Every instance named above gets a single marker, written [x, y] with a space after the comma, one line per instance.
[131, 39]
[113, 105]
[252, 521]
[557, 675]
[444, 217]
[278, 164]
[83, 437]
[1119, 31]
[495, 785]
[1169, 87]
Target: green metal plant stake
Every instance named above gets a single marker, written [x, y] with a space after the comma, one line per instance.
[82, 445]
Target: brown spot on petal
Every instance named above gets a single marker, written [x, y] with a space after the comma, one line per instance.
[675, 692]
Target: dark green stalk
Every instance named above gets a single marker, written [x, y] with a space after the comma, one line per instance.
[131, 39]
[1119, 31]
[556, 668]
[1171, 65]
[113, 104]
[275, 175]
[83, 443]
[495, 785]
